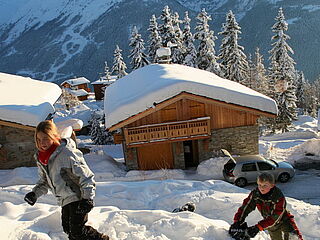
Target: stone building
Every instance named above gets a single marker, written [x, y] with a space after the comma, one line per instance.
[174, 116]
[24, 103]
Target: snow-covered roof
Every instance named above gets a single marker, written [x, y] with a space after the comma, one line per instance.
[79, 92]
[155, 83]
[26, 101]
[76, 81]
[103, 80]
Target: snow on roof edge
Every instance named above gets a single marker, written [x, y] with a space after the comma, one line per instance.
[26, 101]
[164, 81]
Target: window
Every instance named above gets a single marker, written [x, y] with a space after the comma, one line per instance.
[264, 166]
[249, 167]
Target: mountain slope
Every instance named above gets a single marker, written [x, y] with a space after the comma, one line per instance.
[69, 38]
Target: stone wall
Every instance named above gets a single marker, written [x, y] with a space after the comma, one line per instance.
[178, 155]
[131, 159]
[16, 147]
[237, 140]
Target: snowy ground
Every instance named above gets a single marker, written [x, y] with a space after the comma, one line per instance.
[137, 205]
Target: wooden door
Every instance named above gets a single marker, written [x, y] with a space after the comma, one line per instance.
[157, 156]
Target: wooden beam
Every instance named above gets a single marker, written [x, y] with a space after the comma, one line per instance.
[17, 125]
[187, 95]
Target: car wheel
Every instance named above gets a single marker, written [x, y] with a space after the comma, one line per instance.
[241, 182]
[284, 177]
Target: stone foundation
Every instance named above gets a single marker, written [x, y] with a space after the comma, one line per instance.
[16, 147]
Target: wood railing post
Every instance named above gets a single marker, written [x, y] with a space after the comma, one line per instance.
[126, 136]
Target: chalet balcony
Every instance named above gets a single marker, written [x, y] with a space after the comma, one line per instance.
[171, 131]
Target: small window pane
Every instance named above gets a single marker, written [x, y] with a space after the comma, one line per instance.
[249, 167]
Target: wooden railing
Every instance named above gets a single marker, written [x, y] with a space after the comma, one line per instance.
[168, 131]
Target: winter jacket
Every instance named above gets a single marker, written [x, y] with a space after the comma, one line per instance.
[272, 207]
[67, 175]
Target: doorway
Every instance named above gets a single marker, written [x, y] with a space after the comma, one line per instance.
[191, 156]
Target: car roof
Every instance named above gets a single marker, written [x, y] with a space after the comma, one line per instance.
[248, 158]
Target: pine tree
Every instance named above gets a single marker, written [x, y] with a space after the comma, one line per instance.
[300, 91]
[166, 29]
[233, 60]
[312, 97]
[251, 82]
[155, 41]
[260, 80]
[107, 74]
[206, 58]
[138, 57]
[190, 55]
[282, 71]
[177, 48]
[119, 67]
[97, 130]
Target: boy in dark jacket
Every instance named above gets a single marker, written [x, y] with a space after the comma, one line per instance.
[271, 203]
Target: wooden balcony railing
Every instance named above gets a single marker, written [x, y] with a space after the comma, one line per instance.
[181, 130]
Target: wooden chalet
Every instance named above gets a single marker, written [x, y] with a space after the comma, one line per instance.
[77, 83]
[191, 123]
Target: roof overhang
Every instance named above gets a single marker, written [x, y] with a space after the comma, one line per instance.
[190, 96]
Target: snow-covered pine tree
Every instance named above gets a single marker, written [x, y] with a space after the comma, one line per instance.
[155, 40]
[138, 57]
[206, 58]
[260, 80]
[97, 130]
[300, 91]
[190, 55]
[282, 71]
[178, 48]
[166, 29]
[312, 97]
[233, 60]
[119, 67]
[107, 73]
[251, 81]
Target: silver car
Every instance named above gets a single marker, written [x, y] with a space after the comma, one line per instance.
[245, 169]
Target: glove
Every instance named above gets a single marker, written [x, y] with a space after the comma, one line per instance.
[84, 206]
[30, 198]
[252, 231]
[237, 229]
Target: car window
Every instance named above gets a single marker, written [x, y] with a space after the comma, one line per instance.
[264, 166]
[272, 162]
[249, 167]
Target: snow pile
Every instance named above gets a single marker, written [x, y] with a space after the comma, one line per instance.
[304, 128]
[82, 112]
[143, 210]
[155, 174]
[212, 168]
